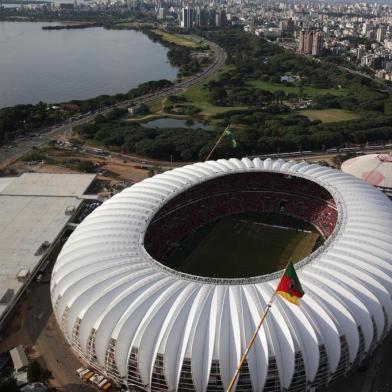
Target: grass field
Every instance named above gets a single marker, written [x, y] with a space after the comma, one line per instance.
[189, 41]
[156, 105]
[309, 92]
[330, 115]
[198, 96]
[239, 246]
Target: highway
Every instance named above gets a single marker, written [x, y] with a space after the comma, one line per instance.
[18, 148]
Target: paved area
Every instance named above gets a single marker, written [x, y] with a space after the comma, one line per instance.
[375, 375]
[33, 325]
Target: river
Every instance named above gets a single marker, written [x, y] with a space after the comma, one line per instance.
[61, 65]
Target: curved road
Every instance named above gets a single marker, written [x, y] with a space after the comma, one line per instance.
[9, 155]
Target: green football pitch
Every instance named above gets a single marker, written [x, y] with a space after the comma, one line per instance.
[244, 245]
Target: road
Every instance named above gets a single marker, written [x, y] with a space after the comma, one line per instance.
[10, 154]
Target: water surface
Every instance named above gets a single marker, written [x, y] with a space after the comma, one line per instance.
[61, 65]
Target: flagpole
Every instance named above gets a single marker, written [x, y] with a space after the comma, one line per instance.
[250, 343]
[253, 338]
[216, 145]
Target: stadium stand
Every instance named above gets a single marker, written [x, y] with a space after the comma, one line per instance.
[233, 194]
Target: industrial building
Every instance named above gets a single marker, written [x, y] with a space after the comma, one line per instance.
[35, 210]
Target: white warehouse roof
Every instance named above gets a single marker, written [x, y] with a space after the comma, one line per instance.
[49, 184]
[32, 211]
[106, 289]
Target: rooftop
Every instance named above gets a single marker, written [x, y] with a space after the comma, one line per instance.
[34, 209]
[375, 169]
[47, 184]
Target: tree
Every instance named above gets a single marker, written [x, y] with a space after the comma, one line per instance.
[301, 89]
[8, 384]
[152, 171]
[339, 159]
[292, 97]
[86, 167]
[279, 96]
[34, 372]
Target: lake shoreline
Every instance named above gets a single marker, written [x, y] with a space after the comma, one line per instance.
[72, 26]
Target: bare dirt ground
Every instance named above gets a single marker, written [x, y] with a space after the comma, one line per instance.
[113, 169]
[34, 326]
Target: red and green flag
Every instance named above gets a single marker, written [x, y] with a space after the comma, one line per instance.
[289, 286]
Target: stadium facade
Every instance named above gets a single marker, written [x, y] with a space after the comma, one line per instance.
[150, 327]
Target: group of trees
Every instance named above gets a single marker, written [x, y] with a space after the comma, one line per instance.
[182, 144]
[178, 105]
[35, 373]
[179, 56]
[23, 119]
[253, 58]
[18, 120]
[8, 384]
[108, 100]
[262, 132]
[256, 131]
[231, 91]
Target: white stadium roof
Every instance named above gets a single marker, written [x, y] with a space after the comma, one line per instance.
[106, 287]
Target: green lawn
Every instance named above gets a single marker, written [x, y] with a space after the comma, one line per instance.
[198, 96]
[330, 115]
[309, 92]
[241, 247]
[189, 41]
[155, 105]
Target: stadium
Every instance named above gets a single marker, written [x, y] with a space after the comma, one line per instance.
[161, 287]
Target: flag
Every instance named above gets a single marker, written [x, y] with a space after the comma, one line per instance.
[229, 134]
[289, 286]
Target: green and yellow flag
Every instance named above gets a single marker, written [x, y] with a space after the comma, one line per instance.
[229, 134]
[289, 286]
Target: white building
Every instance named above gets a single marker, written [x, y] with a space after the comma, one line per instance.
[143, 323]
[187, 18]
[34, 210]
[381, 34]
